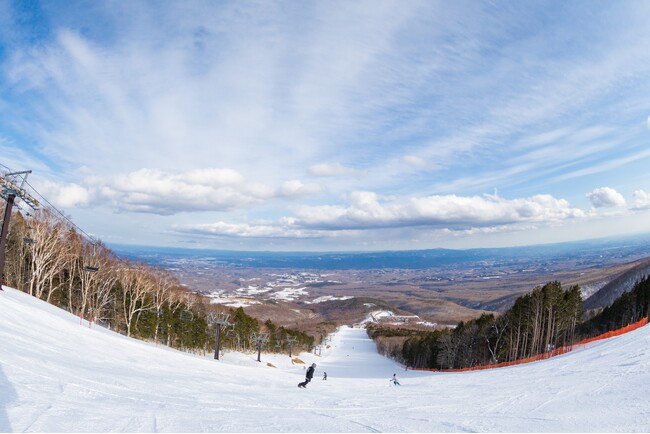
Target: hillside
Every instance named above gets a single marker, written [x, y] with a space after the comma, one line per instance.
[618, 285]
[58, 375]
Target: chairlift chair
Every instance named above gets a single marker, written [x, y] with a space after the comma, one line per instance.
[186, 315]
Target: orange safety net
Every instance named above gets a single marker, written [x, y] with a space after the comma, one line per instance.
[547, 355]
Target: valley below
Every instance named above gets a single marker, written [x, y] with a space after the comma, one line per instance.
[433, 288]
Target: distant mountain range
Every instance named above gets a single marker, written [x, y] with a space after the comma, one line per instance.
[615, 250]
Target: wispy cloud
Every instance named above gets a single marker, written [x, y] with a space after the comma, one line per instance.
[331, 169]
[414, 160]
[238, 107]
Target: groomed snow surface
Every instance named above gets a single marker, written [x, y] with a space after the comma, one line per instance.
[59, 376]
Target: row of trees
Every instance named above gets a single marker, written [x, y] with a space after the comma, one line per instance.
[630, 307]
[49, 259]
[537, 322]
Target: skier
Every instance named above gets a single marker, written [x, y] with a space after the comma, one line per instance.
[308, 376]
[324, 375]
[394, 380]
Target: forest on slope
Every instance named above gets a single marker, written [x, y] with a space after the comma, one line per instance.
[49, 259]
[549, 317]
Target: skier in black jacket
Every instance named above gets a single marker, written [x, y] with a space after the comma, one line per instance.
[308, 376]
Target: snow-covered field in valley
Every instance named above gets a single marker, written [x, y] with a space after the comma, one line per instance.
[57, 376]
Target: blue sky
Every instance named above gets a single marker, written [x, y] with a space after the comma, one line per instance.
[332, 125]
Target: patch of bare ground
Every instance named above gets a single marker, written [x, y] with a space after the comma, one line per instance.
[283, 314]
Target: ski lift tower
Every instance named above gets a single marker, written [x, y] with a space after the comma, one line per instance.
[9, 191]
[218, 319]
[260, 339]
[291, 340]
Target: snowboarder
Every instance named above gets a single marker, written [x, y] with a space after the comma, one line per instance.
[394, 380]
[308, 376]
[324, 375]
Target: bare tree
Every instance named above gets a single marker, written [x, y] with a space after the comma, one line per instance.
[137, 286]
[97, 279]
[498, 328]
[74, 273]
[163, 284]
[51, 252]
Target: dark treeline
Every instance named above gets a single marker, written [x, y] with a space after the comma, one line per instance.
[547, 318]
[537, 322]
[47, 258]
[630, 307]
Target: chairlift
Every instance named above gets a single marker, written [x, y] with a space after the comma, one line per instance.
[187, 315]
[29, 241]
[220, 319]
[90, 269]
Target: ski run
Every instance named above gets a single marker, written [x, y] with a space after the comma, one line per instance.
[57, 375]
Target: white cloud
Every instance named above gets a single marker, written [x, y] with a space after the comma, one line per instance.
[606, 197]
[641, 200]
[214, 177]
[282, 229]
[161, 192]
[296, 188]
[65, 195]
[367, 210]
[414, 161]
[331, 169]
[158, 192]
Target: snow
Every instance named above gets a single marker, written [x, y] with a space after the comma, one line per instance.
[57, 375]
[329, 298]
[289, 294]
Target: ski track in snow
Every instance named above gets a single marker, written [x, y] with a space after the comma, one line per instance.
[56, 375]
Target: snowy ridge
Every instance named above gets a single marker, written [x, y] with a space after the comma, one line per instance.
[56, 375]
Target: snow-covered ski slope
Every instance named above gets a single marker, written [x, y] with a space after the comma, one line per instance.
[56, 375]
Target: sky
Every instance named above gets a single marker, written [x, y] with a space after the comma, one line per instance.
[331, 126]
[57, 375]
